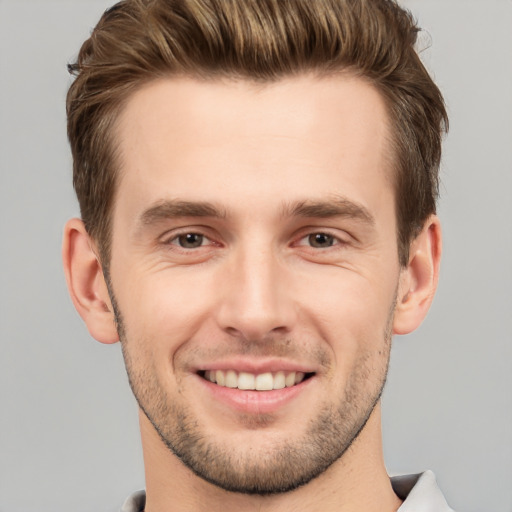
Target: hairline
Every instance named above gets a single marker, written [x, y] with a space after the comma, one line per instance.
[103, 237]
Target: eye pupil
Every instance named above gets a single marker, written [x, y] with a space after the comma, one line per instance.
[190, 240]
[321, 240]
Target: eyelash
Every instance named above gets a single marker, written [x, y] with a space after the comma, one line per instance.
[333, 240]
[175, 240]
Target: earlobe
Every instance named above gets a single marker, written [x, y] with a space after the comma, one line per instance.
[418, 281]
[86, 283]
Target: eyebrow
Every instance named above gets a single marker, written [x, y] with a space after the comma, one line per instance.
[169, 209]
[336, 206]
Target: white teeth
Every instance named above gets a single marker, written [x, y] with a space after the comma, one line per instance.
[219, 377]
[231, 380]
[245, 381]
[279, 380]
[290, 380]
[264, 382]
[248, 381]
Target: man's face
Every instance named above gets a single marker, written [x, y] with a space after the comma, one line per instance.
[254, 246]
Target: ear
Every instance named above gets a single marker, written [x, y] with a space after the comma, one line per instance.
[86, 283]
[418, 281]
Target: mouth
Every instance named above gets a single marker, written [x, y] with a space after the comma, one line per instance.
[267, 381]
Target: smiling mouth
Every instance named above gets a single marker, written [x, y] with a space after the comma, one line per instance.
[259, 382]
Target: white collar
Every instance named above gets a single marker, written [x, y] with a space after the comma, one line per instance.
[420, 493]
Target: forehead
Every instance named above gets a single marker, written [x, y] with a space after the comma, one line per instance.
[248, 144]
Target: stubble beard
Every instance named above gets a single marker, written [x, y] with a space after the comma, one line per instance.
[283, 466]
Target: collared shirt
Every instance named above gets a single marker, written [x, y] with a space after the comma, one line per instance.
[419, 492]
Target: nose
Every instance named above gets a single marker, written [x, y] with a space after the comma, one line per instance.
[255, 299]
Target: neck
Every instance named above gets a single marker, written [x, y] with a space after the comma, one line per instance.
[358, 481]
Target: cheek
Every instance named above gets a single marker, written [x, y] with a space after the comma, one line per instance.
[165, 308]
[352, 313]
[346, 297]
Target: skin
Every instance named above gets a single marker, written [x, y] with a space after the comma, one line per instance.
[286, 192]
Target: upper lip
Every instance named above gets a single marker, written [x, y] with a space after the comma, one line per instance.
[257, 366]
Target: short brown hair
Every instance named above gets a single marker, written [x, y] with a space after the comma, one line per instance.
[137, 41]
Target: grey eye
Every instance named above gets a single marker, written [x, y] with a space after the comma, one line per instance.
[190, 240]
[320, 240]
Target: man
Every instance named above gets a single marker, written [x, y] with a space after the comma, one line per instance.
[257, 184]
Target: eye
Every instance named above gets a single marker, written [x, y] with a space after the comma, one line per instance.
[321, 240]
[189, 240]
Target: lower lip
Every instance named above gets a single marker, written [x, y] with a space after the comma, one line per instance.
[255, 402]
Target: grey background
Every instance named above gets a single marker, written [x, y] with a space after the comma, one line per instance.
[68, 425]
